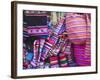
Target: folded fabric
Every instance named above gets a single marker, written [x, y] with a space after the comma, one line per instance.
[54, 61]
[63, 60]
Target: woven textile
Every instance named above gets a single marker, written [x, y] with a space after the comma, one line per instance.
[67, 45]
[78, 28]
[54, 62]
[63, 60]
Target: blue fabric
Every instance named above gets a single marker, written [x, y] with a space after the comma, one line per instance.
[29, 56]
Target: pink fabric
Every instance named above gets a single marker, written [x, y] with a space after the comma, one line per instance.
[80, 55]
[78, 27]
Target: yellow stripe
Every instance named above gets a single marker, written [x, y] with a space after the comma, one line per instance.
[53, 62]
[63, 59]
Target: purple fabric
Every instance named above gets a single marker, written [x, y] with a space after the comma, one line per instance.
[80, 57]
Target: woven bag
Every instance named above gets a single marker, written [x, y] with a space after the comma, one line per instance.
[78, 28]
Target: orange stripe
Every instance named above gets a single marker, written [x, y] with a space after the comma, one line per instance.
[74, 19]
[77, 32]
[79, 26]
[76, 29]
[75, 24]
[79, 37]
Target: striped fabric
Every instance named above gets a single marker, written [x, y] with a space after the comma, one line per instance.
[78, 28]
[59, 27]
[63, 60]
[48, 45]
[58, 46]
[59, 49]
[34, 61]
[25, 34]
[88, 42]
[79, 51]
[36, 50]
[41, 44]
[82, 55]
[54, 62]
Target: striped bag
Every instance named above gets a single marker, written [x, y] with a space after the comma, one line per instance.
[78, 28]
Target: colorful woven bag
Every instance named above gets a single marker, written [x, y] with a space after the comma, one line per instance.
[78, 28]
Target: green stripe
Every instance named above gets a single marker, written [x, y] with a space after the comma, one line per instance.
[63, 62]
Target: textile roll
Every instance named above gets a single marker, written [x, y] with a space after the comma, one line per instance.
[59, 28]
[41, 41]
[63, 60]
[48, 45]
[54, 61]
[59, 46]
[36, 50]
[70, 56]
[34, 61]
